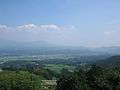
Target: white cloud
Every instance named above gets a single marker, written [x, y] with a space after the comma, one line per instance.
[33, 32]
[111, 33]
[27, 26]
[72, 27]
[3, 26]
[39, 27]
[36, 27]
[51, 26]
[59, 34]
[107, 33]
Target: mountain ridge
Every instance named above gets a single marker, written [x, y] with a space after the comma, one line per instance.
[45, 47]
[111, 62]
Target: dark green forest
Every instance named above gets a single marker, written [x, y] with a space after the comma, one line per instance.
[96, 78]
[30, 75]
[10, 80]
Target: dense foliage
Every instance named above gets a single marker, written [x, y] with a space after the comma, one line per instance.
[111, 62]
[95, 78]
[32, 67]
[10, 80]
[46, 73]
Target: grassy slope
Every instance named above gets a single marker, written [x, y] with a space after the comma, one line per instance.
[58, 67]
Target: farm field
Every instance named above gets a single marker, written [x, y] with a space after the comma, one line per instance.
[58, 67]
[49, 84]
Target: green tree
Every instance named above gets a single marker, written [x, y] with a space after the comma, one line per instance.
[10, 80]
[66, 83]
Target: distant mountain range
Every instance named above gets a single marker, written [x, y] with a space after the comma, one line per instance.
[41, 47]
[110, 50]
[7, 44]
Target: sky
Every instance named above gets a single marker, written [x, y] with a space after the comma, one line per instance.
[91, 23]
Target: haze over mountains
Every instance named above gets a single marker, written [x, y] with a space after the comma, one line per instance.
[46, 47]
[8, 44]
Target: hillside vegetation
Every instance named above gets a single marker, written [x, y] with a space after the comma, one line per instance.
[111, 62]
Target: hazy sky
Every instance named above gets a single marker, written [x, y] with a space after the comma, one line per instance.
[63, 22]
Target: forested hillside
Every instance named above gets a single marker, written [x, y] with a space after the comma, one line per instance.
[111, 62]
[19, 80]
[96, 78]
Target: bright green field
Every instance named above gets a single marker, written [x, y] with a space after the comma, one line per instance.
[58, 67]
